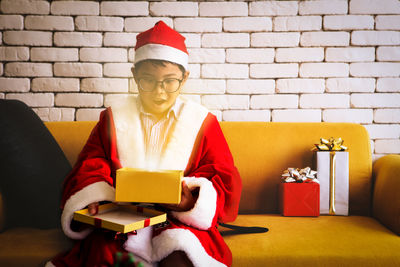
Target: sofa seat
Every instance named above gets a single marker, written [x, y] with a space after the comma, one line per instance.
[308, 241]
[31, 247]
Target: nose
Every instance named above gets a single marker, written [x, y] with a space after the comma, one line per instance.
[159, 87]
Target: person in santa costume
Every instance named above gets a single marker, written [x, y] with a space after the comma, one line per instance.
[159, 129]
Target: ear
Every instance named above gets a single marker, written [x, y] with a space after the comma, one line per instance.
[134, 74]
[185, 76]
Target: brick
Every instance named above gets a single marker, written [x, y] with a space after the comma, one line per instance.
[300, 85]
[274, 70]
[223, 9]
[103, 54]
[192, 40]
[375, 38]
[299, 54]
[322, 7]
[348, 115]
[389, 146]
[11, 22]
[14, 85]
[194, 70]
[348, 22]
[270, 39]
[25, 69]
[377, 100]
[247, 24]
[86, 114]
[324, 70]
[31, 38]
[338, 85]
[9, 53]
[25, 7]
[204, 86]
[181, 9]
[55, 85]
[296, 115]
[249, 86]
[383, 131]
[110, 99]
[324, 101]
[93, 23]
[78, 39]
[78, 100]
[303, 23]
[204, 55]
[74, 8]
[375, 69]
[273, 8]
[55, 114]
[387, 22]
[387, 115]
[388, 85]
[119, 70]
[124, 8]
[120, 39]
[250, 55]
[54, 54]
[374, 7]
[141, 24]
[350, 54]
[246, 115]
[51, 23]
[325, 39]
[34, 100]
[225, 40]
[104, 85]
[198, 25]
[78, 69]
[273, 101]
[388, 53]
[222, 102]
[224, 71]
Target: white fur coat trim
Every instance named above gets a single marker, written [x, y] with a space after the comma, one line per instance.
[181, 239]
[100, 191]
[130, 142]
[203, 212]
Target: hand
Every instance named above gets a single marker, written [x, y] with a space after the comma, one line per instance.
[187, 200]
[93, 208]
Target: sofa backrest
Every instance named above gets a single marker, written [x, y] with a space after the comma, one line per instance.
[262, 151]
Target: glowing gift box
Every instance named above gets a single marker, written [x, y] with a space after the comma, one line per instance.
[138, 185]
[121, 218]
[299, 199]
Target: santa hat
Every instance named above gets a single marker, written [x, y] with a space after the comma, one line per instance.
[162, 43]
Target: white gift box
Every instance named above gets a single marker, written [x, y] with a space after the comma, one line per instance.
[333, 200]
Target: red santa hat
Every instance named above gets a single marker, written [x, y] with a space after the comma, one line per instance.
[163, 43]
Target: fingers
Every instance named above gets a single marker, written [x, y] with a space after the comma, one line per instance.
[93, 208]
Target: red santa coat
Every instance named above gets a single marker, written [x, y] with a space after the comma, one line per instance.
[196, 145]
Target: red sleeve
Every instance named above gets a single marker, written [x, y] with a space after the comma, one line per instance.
[213, 160]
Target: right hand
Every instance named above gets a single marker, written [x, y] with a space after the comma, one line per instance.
[93, 208]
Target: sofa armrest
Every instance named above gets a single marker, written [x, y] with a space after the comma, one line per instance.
[386, 200]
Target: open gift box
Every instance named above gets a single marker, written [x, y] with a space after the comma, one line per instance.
[121, 218]
[299, 199]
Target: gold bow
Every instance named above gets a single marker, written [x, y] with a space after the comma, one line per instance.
[331, 144]
[292, 175]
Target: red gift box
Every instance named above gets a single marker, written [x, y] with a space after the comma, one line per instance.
[299, 199]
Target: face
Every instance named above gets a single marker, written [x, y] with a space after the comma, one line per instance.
[158, 101]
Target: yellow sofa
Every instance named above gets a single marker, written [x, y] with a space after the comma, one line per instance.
[368, 237]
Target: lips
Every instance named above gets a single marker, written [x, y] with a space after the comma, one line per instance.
[159, 101]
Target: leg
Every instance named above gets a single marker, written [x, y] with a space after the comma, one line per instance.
[176, 259]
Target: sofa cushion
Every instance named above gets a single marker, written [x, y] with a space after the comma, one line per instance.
[32, 166]
[310, 241]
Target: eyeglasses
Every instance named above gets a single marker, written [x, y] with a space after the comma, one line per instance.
[170, 85]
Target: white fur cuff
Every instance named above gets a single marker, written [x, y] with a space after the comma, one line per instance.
[203, 212]
[100, 191]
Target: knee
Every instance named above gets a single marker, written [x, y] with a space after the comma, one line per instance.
[176, 259]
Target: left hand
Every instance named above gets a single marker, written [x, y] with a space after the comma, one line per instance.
[187, 200]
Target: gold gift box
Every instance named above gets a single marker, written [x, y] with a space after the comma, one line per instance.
[138, 185]
[121, 218]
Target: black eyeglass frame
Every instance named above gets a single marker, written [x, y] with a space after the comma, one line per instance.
[162, 84]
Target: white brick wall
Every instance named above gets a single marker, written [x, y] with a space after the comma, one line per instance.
[303, 61]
